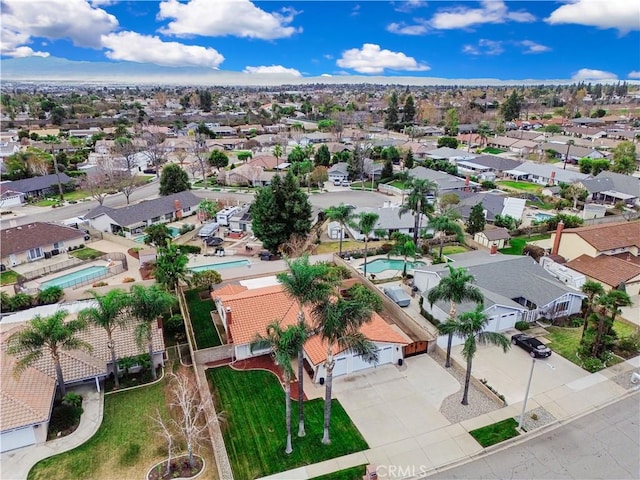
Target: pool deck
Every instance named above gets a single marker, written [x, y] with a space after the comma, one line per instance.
[385, 274]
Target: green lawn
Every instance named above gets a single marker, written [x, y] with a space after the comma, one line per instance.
[203, 328]
[86, 253]
[541, 205]
[8, 277]
[353, 473]
[623, 329]
[496, 432]
[253, 403]
[493, 151]
[398, 184]
[517, 244]
[453, 249]
[524, 186]
[47, 202]
[125, 445]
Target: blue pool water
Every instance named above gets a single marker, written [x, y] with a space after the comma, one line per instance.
[220, 266]
[75, 278]
[542, 217]
[382, 264]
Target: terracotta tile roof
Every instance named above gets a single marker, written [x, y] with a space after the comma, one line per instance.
[609, 236]
[604, 268]
[25, 400]
[33, 235]
[230, 289]
[252, 310]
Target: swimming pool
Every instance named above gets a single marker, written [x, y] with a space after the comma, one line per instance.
[76, 278]
[381, 264]
[175, 232]
[542, 217]
[220, 266]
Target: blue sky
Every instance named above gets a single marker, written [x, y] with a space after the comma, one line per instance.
[587, 40]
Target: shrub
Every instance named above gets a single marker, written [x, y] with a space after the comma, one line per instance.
[73, 399]
[50, 295]
[128, 280]
[21, 301]
[576, 322]
[386, 248]
[534, 416]
[190, 249]
[100, 284]
[360, 292]
[488, 185]
[592, 364]
[174, 324]
[522, 325]
[628, 347]
[205, 278]
[64, 417]
[186, 228]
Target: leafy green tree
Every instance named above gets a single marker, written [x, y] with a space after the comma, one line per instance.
[451, 122]
[362, 294]
[218, 159]
[209, 208]
[405, 247]
[47, 334]
[610, 303]
[416, 202]
[146, 305]
[505, 221]
[512, 107]
[477, 220]
[624, 158]
[484, 130]
[391, 115]
[338, 323]
[277, 151]
[341, 214]
[284, 344]
[391, 153]
[409, 160]
[322, 156]
[206, 278]
[173, 180]
[366, 222]
[279, 211]
[307, 284]
[450, 142]
[387, 170]
[171, 266]
[470, 326]
[446, 224]
[593, 290]
[109, 314]
[297, 155]
[457, 287]
[408, 111]
[157, 235]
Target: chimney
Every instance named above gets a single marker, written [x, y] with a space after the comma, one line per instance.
[159, 321]
[177, 207]
[228, 318]
[494, 249]
[553, 178]
[466, 183]
[556, 241]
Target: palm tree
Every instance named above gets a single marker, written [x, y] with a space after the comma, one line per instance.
[284, 344]
[445, 223]
[404, 177]
[366, 222]
[338, 323]
[108, 314]
[51, 334]
[610, 303]
[277, 152]
[483, 132]
[455, 288]
[592, 290]
[470, 326]
[171, 266]
[306, 284]
[146, 305]
[416, 202]
[404, 247]
[342, 214]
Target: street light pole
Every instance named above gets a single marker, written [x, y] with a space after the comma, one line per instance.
[526, 395]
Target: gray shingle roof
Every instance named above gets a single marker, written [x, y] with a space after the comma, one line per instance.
[37, 183]
[444, 180]
[497, 163]
[613, 181]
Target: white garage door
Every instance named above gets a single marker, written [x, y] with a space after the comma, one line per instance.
[357, 363]
[340, 367]
[385, 355]
[17, 439]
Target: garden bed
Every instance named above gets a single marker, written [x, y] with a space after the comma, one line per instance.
[179, 468]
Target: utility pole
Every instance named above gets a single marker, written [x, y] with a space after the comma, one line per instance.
[55, 168]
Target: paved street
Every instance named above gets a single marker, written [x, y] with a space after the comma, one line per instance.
[604, 445]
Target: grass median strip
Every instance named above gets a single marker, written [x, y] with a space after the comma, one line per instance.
[496, 432]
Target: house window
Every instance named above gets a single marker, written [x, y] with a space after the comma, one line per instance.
[186, 209]
[35, 253]
[561, 307]
[58, 245]
[155, 219]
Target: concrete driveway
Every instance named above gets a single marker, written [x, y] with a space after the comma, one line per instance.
[508, 373]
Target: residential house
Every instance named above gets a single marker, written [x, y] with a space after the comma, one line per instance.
[572, 153]
[246, 312]
[241, 219]
[493, 203]
[7, 149]
[390, 221]
[488, 163]
[10, 198]
[338, 172]
[133, 219]
[611, 187]
[35, 187]
[451, 154]
[544, 173]
[265, 161]
[611, 271]
[515, 288]
[34, 241]
[493, 237]
[246, 175]
[446, 183]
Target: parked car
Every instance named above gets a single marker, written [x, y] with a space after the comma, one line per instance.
[345, 183]
[398, 295]
[535, 347]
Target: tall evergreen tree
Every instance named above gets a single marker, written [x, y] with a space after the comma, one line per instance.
[512, 107]
[408, 111]
[322, 156]
[476, 220]
[624, 158]
[391, 117]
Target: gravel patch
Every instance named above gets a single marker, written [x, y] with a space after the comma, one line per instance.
[479, 402]
[543, 418]
[624, 380]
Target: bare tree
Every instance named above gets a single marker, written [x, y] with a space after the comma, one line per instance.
[155, 151]
[200, 153]
[127, 183]
[164, 429]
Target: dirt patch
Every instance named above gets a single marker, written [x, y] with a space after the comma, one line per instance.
[134, 253]
[179, 468]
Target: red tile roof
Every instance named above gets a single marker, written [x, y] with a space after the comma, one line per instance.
[609, 236]
[606, 269]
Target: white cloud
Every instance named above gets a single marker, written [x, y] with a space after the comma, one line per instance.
[484, 47]
[623, 15]
[533, 47]
[76, 20]
[409, 5]
[273, 69]
[419, 28]
[372, 59]
[491, 11]
[21, 52]
[634, 74]
[134, 47]
[103, 3]
[589, 74]
[239, 18]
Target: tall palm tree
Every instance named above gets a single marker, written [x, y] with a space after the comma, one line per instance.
[417, 203]
[470, 326]
[455, 288]
[307, 284]
[610, 303]
[277, 151]
[284, 344]
[446, 223]
[403, 176]
[338, 323]
[484, 130]
[366, 223]
[342, 214]
[592, 290]
[404, 247]
[51, 334]
[146, 305]
[108, 314]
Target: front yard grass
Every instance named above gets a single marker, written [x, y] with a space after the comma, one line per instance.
[8, 277]
[453, 249]
[254, 430]
[203, 328]
[353, 473]
[496, 432]
[125, 445]
[517, 244]
[86, 253]
[522, 186]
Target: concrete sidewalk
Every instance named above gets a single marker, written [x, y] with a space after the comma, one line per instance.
[453, 445]
[16, 464]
